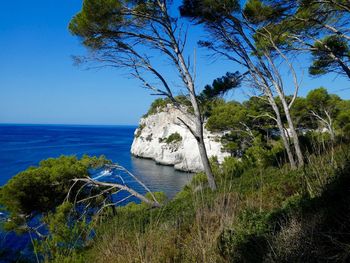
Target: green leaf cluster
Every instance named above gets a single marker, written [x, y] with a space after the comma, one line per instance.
[39, 190]
[324, 52]
[249, 129]
[173, 138]
[67, 232]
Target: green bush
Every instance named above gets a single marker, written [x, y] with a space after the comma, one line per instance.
[232, 167]
[246, 241]
[173, 138]
[157, 106]
[226, 116]
[139, 130]
[40, 190]
[160, 104]
[67, 233]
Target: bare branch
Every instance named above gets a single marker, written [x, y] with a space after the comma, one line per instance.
[89, 181]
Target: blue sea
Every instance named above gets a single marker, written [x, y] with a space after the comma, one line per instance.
[22, 146]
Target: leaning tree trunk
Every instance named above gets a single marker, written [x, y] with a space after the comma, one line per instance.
[203, 154]
[199, 135]
[292, 130]
[266, 89]
[282, 131]
[197, 131]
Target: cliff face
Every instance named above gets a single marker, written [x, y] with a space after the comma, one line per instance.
[155, 139]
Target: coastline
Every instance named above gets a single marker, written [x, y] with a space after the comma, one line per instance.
[164, 139]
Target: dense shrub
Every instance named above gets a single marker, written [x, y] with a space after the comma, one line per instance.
[173, 138]
[41, 189]
[157, 106]
[160, 104]
[139, 130]
[246, 241]
[233, 167]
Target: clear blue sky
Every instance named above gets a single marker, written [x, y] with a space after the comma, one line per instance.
[40, 84]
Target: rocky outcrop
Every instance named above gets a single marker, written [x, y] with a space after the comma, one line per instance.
[163, 138]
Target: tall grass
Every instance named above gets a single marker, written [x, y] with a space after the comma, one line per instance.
[259, 214]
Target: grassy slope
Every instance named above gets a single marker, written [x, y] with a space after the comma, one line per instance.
[260, 215]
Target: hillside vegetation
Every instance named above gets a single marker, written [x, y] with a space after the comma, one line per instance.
[258, 214]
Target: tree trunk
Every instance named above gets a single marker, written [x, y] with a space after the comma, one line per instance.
[331, 132]
[286, 143]
[282, 131]
[295, 139]
[266, 89]
[199, 135]
[198, 122]
[292, 130]
[204, 157]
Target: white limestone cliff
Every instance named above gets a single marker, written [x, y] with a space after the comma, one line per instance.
[183, 155]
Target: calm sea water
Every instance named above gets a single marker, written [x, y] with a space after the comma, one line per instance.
[22, 146]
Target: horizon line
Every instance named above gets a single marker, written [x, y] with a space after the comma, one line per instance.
[64, 124]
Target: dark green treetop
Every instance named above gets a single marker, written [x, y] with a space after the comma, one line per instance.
[39, 190]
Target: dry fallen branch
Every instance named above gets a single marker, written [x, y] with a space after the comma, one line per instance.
[121, 168]
[108, 189]
[94, 183]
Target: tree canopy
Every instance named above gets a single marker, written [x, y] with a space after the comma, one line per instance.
[245, 123]
[40, 190]
[318, 27]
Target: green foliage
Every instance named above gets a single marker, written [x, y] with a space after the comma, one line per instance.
[343, 118]
[296, 216]
[225, 116]
[312, 138]
[262, 211]
[157, 106]
[300, 113]
[160, 104]
[316, 25]
[92, 24]
[233, 167]
[257, 11]
[66, 233]
[324, 105]
[160, 196]
[318, 99]
[248, 131]
[139, 130]
[94, 162]
[230, 144]
[39, 190]
[324, 52]
[199, 179]
[173, 138]
[246, 242]
[209, 10]
[237, 142]
[221, 86]
[259, 155]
